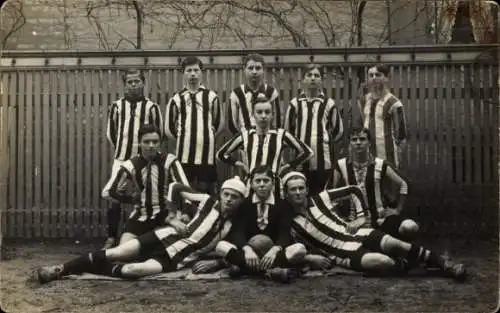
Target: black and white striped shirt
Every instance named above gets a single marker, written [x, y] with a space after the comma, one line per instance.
[385, 118]
[240, 109]
[265, 149]
[317, 123]
[206, 229]
[124, 120]
[150, 179]
[194, 119]
[319, 227]
[377, 175]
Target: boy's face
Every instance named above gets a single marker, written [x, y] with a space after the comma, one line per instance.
[263, 114]
[254, 71]
[376, 79]
[192, 74]
[262, 185]
[134, 86]
[312, 79]
[230, 200]
[296, 191]
[150, 145]
[359, 142]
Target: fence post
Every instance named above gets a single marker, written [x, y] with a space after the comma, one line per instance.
[4, 156]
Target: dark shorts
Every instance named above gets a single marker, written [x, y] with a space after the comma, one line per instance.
[203, 173]
[391, 225]
[368, 240]
[153, 247]
[371, 243]
[139, 228]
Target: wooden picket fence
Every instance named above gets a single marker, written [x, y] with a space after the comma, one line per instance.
[55, 158]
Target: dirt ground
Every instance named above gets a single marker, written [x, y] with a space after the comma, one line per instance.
[342, 293]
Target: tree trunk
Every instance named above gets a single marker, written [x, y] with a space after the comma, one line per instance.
[139, 24]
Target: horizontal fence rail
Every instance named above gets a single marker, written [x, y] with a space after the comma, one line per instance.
[56, 158]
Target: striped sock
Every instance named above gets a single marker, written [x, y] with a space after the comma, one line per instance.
[116, 270]
[421, 255]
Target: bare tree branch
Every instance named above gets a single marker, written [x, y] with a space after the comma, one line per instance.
[359, 21]
[94, 21]
[297, 38]
[326, 27]
[13, 12]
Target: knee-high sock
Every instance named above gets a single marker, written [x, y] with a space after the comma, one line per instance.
[236, 257]
[109, 269]
[114, 216]
[84, 263]
[282, 261]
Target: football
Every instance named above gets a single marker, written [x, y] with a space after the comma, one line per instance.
[260, 244]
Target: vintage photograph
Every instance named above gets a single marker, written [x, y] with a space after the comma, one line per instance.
[249, 156]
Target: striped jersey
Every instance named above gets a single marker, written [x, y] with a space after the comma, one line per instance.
[265, 149]
[194, 119]
[316, 122]
[150, 179]
[372, 180]
[240, 109]
[124, 120]
[385, 119]
[206, 229]
[320, 228]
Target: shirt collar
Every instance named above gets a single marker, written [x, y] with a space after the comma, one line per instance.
[269, 200]
[260, 89]
[140, 99]
[186, 90]
[383, 99]
[371, 158]
[155, 160]
[320, 96]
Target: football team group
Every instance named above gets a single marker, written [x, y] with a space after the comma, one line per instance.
[294, 205]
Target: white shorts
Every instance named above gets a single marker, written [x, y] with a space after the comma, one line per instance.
[114, 171]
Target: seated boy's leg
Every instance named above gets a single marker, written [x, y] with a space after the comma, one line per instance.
[399, 227]
[413, 253]
[291, 257]
[149, 267]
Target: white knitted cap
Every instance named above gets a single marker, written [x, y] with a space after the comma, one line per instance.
[236, 184]
[291, 174]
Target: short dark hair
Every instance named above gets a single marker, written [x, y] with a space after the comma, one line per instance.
[260, 98]
[147, 129]
[311, 66]
[382, 68]
[360, 129]
[254, 57]
[191, 61]
[262, 169]
[132, 71]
